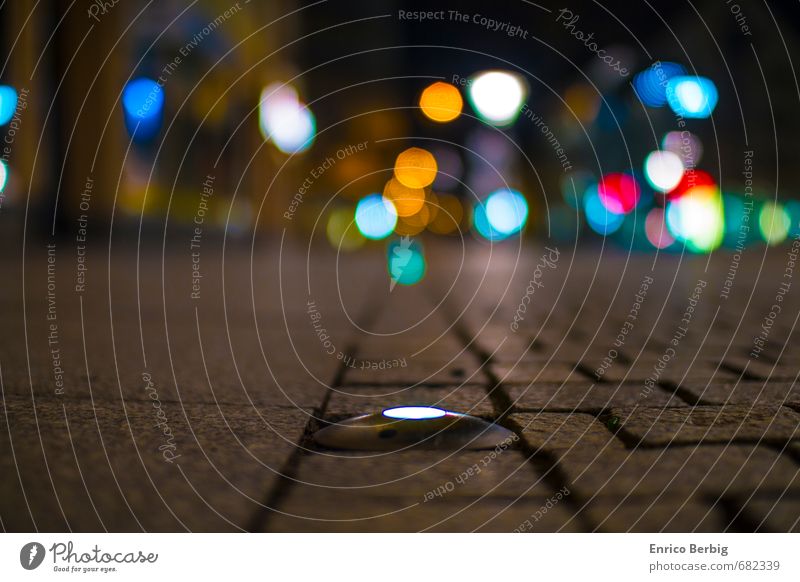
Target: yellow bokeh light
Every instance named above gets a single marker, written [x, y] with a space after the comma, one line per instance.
[441, 102]
[407, 201]
[342, 232]
[448, 216]
[415, 168]
[774, 222]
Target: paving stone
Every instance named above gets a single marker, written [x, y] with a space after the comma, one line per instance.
[677, 471]
[564, 353]
[649, 367]
[752, 392]
[534, 372]
[442, 348]
[463, 369]
[709, 424]
[785, 370]
[655, 513]
[90, 468]
[421, 474]
[349, 513]
[779, 514]
[180, 372]
[556, 431]
[587, 396]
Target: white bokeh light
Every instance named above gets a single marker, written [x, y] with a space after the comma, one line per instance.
[663, 170]
[285, 120]
[497, 96]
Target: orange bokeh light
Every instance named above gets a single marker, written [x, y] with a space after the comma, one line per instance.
[415, 168]
[414, 224]
[441, 102]
[407, 201]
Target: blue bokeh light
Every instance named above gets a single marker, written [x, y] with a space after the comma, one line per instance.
[8, 103]
[482, 225]
[506, 211]
[143, 104]
[375, 217]
[651, 84]
[793, 208]
[600, 219]
[693, 97]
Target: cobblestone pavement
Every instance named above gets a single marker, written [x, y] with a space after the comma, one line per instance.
[646, 397]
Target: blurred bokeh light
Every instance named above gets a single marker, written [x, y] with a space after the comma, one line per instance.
[285, 120]
[774, 223]
[656, 229]
[375, 216]
[663, 170]
[441, 102]
[143, 105]
[650, 84]
[506, 211]
[497, 96]
[619, 192]
[3, 175]
[686, 145]
[502, 214]
[405, 262]
[8, 103]
[697, 218]
[342, 232]
[415, 168]
[598, 216]
[693, 97]
[689, 180]
[406, 201]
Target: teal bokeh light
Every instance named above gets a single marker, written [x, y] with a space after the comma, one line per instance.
[405, 262]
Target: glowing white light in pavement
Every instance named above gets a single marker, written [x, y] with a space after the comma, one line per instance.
[414, 412]
[497, 96]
